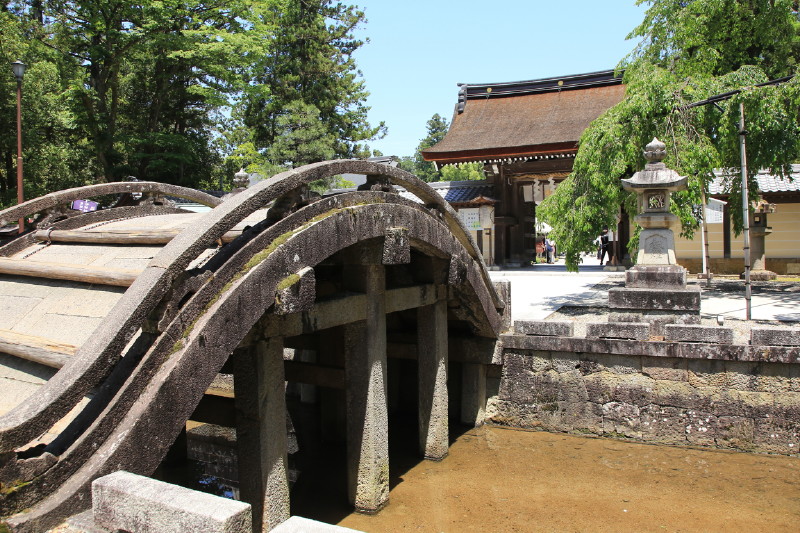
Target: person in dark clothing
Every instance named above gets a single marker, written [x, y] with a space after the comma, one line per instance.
[603, 249]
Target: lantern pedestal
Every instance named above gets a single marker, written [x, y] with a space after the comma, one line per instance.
[655, 289]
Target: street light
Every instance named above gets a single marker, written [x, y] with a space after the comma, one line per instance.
[19, 71]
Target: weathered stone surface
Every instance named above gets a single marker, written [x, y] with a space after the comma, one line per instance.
[666, 369]
[775, 336]
[296, 292]
[650, 397]
[135, 503]
[661, 424]
[730, 352]
[621, 419]
[705, 373]
[619, 330]
[693, 333]
[565, 361]
[656, 277]
[396, 247]
[672, 299]
[656, 318]
[777, 434]
[735, 432]
[544, 327]
[298, 524]
[503, 290]
[657, 246]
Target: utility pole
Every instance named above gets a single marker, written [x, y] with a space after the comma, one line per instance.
[19, 71]
[745, 212]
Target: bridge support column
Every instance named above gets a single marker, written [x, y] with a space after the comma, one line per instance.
[367, 412]
[473, 394]
[432, 365]
[261, 431]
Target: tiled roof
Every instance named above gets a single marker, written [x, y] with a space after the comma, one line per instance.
[456, 192]
[767, 183]
[519, 125]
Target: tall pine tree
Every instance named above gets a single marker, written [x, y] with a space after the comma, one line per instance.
[310, 70]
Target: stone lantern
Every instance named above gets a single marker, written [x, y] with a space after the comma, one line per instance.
[241, 180]
[655, 289]
[653, 186]
[758, 234]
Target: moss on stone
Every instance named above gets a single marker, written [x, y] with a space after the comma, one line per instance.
[288, 281]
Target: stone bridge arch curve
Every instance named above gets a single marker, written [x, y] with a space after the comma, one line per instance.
[262, 288]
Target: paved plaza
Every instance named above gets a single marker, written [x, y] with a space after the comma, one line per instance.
[540, 290]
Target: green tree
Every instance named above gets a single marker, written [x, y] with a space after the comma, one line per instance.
[302, 137]
[309, 65]
[463, 172]
[688, 52]
[436, 129]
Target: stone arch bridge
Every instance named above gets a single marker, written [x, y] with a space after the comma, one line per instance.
[118, 322]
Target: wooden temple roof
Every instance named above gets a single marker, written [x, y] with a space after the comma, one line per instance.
[532, 119]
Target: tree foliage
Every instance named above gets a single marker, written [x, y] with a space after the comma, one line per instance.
[436, 129]
[688, 51]
[463, 172]
[179, 91]
[309, 77]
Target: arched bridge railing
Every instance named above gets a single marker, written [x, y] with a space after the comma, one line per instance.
[179, 317]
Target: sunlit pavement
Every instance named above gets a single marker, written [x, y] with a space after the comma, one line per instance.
[539, 290]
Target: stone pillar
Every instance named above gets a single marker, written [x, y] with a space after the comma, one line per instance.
[432, 365]
[259, 388]
[308, 393]
[367, 412]
[759, 229]
[473, 394]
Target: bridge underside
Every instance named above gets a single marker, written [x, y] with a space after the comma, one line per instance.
[270, 286]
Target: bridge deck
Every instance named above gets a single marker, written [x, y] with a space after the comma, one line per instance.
[46, 320]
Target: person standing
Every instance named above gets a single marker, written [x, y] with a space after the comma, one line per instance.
[602, 241]
[550, 250]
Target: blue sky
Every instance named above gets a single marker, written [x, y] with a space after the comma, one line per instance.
[419, 51]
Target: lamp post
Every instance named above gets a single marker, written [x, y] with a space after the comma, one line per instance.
[19, 71]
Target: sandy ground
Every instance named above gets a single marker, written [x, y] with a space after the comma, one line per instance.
[505, 480]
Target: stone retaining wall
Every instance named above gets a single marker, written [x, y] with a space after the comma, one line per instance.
[639, 390]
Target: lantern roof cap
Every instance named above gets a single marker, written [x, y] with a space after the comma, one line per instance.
[655, 175]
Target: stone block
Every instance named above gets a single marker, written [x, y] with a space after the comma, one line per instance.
[619, 330]
[136, 503]
[656, 277]
[707, 373]
[671, 369]
[777, 435]
[773, 377]
[621, 419]
[736, 432]
[656, 299]
[656, 318]
[743, 404]
[695, 333]
[565, 362]
[298, 524]
[742, 375]
[544, 328]
[634, 389]
[775, 336]
[663, 424]
[621, 364]
[680, 394]
[540, 361]
[600, 387]
[700, 427]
